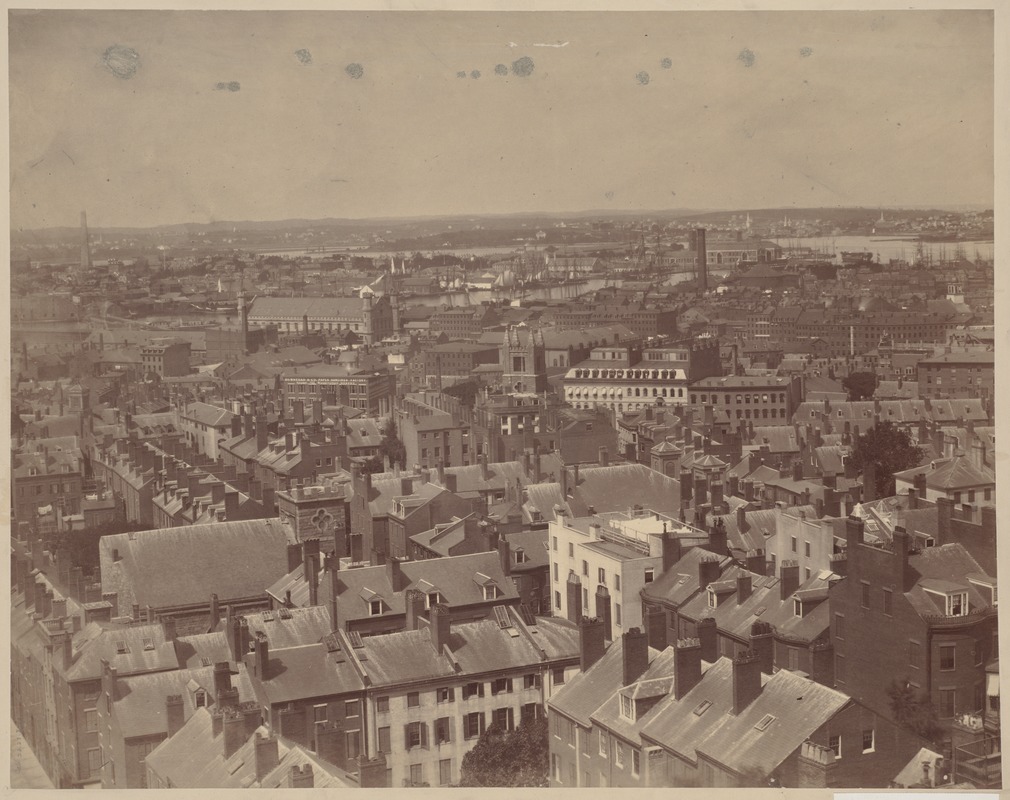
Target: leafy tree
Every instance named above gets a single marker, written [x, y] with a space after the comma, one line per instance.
[465, 391]
[83, 545]
[391, 446]
[890, 449]
[860, 385]
[914, 711]
[509, 758]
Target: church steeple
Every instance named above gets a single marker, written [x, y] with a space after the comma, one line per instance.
[85, 242]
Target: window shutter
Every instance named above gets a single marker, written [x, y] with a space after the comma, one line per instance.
[508, 686]
[512, 721]
[481, 721]
[424, 734]
[480, 690]
[406, 737]
[452, 694]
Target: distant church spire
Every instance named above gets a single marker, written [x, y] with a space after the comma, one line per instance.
[85, 242]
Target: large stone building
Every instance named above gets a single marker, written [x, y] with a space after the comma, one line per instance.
[368, 316]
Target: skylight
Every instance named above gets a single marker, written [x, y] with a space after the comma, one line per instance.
[766, 720]
[704, 706]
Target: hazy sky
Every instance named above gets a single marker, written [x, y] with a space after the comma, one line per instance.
[256, 115]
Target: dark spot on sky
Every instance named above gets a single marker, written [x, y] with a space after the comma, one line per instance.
[355, 70]
[461, 74]
[304, 56]
[642, 78]
[523, 67]
[609, 195]
[233, 86]
[666, 63]
[121, 61]
[806, 52]
[747, 57]
[475, 74]
[501, 69]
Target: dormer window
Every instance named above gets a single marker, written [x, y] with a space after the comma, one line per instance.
[200, 698]
[713, 601]
[374, 608]
[797, 608]
[957, 604]
[521, 556]
[490, 591]
[627, 707]
[432, 599]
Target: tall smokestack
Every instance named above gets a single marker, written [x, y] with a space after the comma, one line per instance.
[701, 252]
[85, 242]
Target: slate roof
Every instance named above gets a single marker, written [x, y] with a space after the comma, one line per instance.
[951, 474]
[181, 566]
[306, 671]
[616, 487]
[949, 563]
[297, 626]
[798, 706]
[146, 650]
[679, 584]
[207, 414]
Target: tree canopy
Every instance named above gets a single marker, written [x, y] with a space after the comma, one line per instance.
[890, 449]
[860, 385]
[509, 758]
[913, 710]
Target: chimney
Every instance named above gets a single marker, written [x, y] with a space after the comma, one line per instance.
[261, 659]
[439, 616]
[708, 571]
[708, 639]
[741, 519]
[505, 555]
[732, 485]
[743, 588]
[372, 772]
[233, 723]
[716, 489]
[655, 627]
[238, 637]
[700, 490]
[266, 756]
[603, 611]
[301, 777]
[168, 628]
[798, 472]
[920, 485]
[394, 573]
[574, 597]
[686, 487]
[756, 562]
[746, 680]
[261, 433]
[686, 666]
[312, 577]
[831, 505]
[222, 677]
[900, 543]
[672, 551]
[789, 579]
[853, 535]
[838, 564]
[482, 458]
[762, 645]
[635, 651]
[414, 603]
[717, 538]
[870, 482]
[592, 645]
[215, 612]
[604, 457]
[231, 506]
[175, 713]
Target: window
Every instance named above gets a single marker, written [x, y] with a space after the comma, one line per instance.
[351, 708]
[617, 583]
[914, 653]
[947, 656]
[839, 626]
[384, 740]
[417, 774]
[835, 743]
[868, 740]
[957, 605]
[432, 599]
[888, 594]
[445, 694]
[415, 735]
[445, 772]
[571, 550]
[443, 731]
[627, 707]
[617, 614]
[531, 681]
[604, 744]
[601, 576]
[352, 743]
[554, 543]
[413, 699]
[382, 704]
[473, 725]
[865, 595]
[619, 754]
[636, 762]
[473, 690]
[650, 575]
[91, 719]
[558, 676]
[375, 608]
[319, 713]
[201, 698]
[556, 572]
[503, 718]
[806, 549]
[557, 600]
[585, 600]
[839, 667]
[556, 767]
[793, 544]
[585, 567]
[94, 760]
[947, 703]
[501, 686]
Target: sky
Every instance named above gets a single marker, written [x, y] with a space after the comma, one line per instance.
[147, 117]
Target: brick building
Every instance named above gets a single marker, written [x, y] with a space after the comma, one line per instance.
[957, 375]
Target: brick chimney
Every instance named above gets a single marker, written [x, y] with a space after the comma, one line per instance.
[505, 555]
[301, 777]
[261, 656]
[394, 573]
[763, 646]
[853, 535]
[440, 626]
[686, 666]
[919, 482]
[604, 457]
[789, 579]
[718, 538]
[901, 542]
[700, 490]
[329, 742]
[482, 459]
[746, 680]
[708, 571]
[175, 713]
[672, 550]
[591, 642]
[756, 563]
[265, 755]
[655, 627]
[233, 724]
[686, 488]
[372, 772]
[414, 602]
[312, 577]
[215, 613]
[743, 588]
[603, 611]
[797, 471]
[635, 653]
[573, 590]
[870, 482]
[708, 638]
[222, 677]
